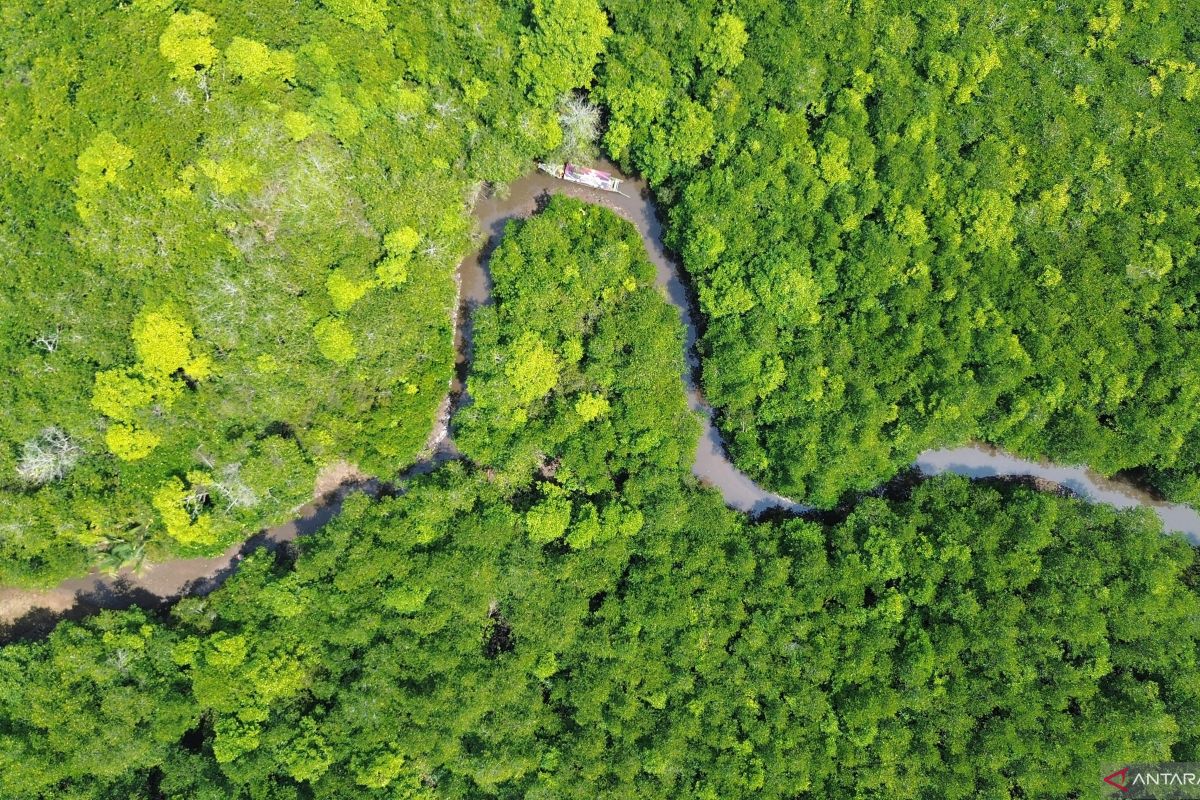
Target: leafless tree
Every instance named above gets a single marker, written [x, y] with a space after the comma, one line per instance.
[580, 122]
[47, 457]
[47, 341]
[195, 500]
[235, 491]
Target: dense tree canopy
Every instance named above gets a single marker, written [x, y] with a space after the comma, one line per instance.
[231, 230]
[568, 623]
[910, 225]
[230, 234]
[907, 227]
[577, 362]
[971, 642]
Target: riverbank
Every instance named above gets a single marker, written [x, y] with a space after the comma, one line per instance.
[29, 612]
[33, 612]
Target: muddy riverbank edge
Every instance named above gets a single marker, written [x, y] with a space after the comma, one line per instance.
[28, 614]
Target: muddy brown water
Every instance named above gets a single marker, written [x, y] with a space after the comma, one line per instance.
[636, 205]
[979, 460]
[31, 612]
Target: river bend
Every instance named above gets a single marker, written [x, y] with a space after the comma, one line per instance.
[33, 611]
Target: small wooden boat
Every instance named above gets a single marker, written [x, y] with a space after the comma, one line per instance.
[586, 176]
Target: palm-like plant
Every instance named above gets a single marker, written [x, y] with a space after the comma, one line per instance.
[117, 554]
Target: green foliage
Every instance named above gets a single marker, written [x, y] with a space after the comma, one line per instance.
[401, 242]
[223, 176]
[164, 347]
[100, 166]
[163, 343]
[577, 363]
[574, 616]
[549, 519]
[344, 291]
[399, 245]
[591, 406]
[905, 227]
[92, 709]
[129, 442]
[186, 43]
[723, 51]
[299, 125]
[909, 227]
[532, 369]
[968, 642]
[252, 61]
[334, 339]
[178, 509]
[561, 52]
[118, 394]
[366, 14]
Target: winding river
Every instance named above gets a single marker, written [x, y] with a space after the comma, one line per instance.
[26, 612]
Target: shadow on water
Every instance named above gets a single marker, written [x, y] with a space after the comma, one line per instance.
[30, 614]
[712, 465]
[981, 461]
[118, 594]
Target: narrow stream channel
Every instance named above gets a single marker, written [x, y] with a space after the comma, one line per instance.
[27, 612]
[984, 461]
[635, 205]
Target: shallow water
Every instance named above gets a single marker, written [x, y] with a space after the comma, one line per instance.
[983, 461]
[34, 611]
[637, 206]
